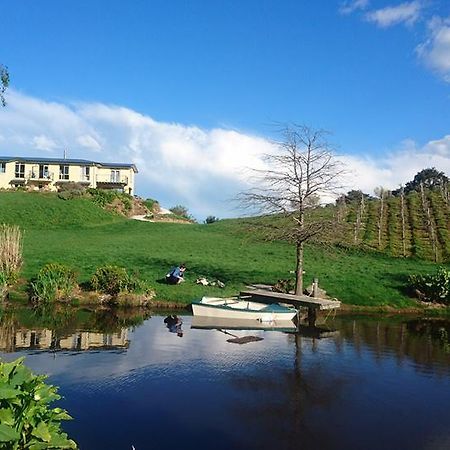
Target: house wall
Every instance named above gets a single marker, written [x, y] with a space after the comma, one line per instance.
[98, 177]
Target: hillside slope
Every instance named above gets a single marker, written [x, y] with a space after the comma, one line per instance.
[38, 210]
[417, 226]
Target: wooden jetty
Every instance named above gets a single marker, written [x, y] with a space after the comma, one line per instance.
[313, 304]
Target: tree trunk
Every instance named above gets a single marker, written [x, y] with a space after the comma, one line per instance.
[299, 269]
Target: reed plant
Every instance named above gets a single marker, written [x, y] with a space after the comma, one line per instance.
[54, 282]
[10, 252]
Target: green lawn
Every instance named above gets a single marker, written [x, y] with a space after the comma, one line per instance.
[82, 235]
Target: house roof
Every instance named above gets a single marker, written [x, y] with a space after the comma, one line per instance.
[77, 162]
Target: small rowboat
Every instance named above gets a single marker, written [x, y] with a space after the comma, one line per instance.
[238, 308]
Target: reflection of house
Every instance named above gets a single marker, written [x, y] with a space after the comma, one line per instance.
[47, 339]
[52, 173]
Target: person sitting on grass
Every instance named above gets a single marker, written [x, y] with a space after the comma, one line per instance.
[176, 274]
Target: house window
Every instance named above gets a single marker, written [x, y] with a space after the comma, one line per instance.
[85, 173]
[20, 170]
[63, 172]
[115, 176]
[43, 171]
[2, 167]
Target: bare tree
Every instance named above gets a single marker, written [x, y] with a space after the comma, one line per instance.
[302, 170]
[382, 194]
[402, 214]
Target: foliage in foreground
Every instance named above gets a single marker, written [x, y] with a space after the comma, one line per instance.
[433, 287]
[53, 282]
[26, 419]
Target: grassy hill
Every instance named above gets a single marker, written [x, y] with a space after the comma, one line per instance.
[423, 231]
[78, 233]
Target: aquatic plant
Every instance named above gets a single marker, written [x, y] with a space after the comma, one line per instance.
[26, 419]
[53, 282]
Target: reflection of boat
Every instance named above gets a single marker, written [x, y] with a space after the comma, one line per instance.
[238, 308]
[210, 323]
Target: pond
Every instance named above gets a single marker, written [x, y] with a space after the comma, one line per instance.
[354, 383]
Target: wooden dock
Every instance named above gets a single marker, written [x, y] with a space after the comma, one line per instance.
[313, 304]
[294, 300]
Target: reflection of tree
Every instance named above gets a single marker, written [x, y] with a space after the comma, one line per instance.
[286, 401]
[419, 340]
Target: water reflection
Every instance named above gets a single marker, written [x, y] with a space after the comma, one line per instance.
[356, 382]
[70, 329]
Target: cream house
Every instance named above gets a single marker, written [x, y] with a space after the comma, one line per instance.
[52, 173]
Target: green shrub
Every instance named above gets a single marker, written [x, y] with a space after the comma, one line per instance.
[102, 197]
[211, 219]
[152, 205]
[26, 419]
[432, 287]
[53, 282]
[113, 280]
[110, 280]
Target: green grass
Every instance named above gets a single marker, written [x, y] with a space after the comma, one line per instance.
[79, 234]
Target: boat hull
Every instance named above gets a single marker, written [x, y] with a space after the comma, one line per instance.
[238, 310]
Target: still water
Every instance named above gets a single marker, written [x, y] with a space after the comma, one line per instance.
[356, 383]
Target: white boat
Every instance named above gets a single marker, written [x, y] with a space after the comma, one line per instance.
[238, 308]
[225, 323]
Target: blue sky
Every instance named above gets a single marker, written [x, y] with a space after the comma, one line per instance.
[218, 74]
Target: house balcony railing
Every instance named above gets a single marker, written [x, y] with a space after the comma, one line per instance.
[112, 179]
[35, 176]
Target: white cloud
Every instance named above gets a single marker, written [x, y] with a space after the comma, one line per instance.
[408, 13]
[350, 6]
[399, 166]
[43, 142]
[435, 51]
[180, 164]
[89, 142]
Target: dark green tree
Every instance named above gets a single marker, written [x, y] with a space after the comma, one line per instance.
[4, 83]
[429, 178]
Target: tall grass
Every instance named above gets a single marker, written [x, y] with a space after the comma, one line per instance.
[10, 252]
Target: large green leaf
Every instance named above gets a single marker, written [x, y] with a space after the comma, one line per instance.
[61, 441]
[7, 392]
[41, 432]
[21, 374]
[6, 416]
[8, 433]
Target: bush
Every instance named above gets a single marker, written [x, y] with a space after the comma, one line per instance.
[53, 282]
[113, 280]
[71, 189]
[152, 205]
[182, 212]
[211, 219]
[26, 419]
[104, 197]
[10, 252]
[432, 287]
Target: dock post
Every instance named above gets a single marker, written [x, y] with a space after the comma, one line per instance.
[312, 316]
[315, 288]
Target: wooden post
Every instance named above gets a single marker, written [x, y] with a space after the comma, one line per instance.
[312, 316]
[315, 288]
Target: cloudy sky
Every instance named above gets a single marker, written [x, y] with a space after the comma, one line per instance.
[189, 91]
